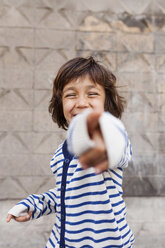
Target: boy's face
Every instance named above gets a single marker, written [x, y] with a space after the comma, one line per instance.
[81, 94]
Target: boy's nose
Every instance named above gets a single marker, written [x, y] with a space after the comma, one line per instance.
[82, 102]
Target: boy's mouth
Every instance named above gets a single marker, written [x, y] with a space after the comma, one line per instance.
[73, 115]
[76, 114]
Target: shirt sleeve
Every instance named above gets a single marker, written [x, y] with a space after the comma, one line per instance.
[38, 204]
[116, 140]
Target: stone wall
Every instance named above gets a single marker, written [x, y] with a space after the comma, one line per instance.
[36, 37]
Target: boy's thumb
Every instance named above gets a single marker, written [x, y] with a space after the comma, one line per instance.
[9, 217]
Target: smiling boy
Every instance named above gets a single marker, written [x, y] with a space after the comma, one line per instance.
[87, 196]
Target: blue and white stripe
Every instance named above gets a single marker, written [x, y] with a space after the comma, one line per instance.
[95, 212]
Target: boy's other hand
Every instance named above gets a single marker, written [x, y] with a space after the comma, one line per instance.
[20, 218]
[97, 156]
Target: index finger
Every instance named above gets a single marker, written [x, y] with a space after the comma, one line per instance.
[93, 121]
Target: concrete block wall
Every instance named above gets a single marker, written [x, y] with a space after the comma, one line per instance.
[36, 38]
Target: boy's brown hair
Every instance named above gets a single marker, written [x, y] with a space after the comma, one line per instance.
[79, 67]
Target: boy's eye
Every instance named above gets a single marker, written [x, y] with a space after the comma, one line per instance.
[93, 94]
[70, 95]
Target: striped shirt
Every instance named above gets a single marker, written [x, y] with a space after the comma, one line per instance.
[89, 208]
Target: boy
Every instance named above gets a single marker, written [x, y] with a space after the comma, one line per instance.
[87, 198]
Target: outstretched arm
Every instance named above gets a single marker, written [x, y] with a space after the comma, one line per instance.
[100, 140]
[33, 207]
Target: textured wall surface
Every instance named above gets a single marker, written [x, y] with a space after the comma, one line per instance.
[36, 37]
